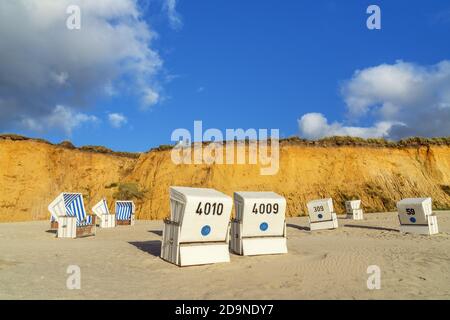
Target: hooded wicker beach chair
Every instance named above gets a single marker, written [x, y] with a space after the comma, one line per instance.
[197, 231]
[416, 216]
[69, 216]
[321, 214]
[125, 211]
[260, 224]
[104, 217]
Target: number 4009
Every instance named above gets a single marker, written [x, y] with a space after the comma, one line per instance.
[267, 208]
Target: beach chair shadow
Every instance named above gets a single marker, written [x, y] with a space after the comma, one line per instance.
[290, 225]
[157, 232]
[54, 231]
[370, 227]
[152, 247]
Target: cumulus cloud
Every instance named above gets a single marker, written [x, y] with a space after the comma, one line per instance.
[315, 126]
[61, 118]
[44, 65]
[117, 120]
[403, 99]
[172, 14]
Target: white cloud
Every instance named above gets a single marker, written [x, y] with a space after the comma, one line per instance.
[117, 120]
[62, 118]
[174, 17]
[315, 126]
[402, 99]
[43, 64]
[150, 97]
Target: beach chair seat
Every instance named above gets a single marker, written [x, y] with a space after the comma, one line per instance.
[353, 210]
[260, 224]
[69, 216]
[104, 217]
[197, 231]
[125, 213]
[416, 216]
[322, 215]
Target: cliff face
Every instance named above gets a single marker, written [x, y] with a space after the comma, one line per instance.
[33, 173]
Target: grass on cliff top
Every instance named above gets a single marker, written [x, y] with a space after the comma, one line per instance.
[126, 191]
[69, 145]
[324, 142]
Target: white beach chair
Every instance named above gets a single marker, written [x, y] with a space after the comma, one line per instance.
[353, 209]
[416, 216]
[105, 218]
[321, 214]
[260, 224]
[69, 216]
[197, 231]
[125, 211]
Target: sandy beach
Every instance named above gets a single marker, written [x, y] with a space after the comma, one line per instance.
[124, 263]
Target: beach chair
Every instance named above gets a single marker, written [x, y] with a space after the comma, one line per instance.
[416, 216]
[125, 211]
[353, 209]
[69, 216]
[197, 231]
[321, 215]
[260, 224]
[104, 217]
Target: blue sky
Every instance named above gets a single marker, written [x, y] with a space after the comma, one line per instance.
[265, 64]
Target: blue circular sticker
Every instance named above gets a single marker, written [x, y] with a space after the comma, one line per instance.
[263, 226]
[320, 216]
[205, 230]
[412, 219]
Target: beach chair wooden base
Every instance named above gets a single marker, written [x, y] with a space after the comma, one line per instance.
[54, 225]
[190, 254]
[86, 231]
[252, 246]
[430, 229]
[67, 228]
[321, 225]
[207, 253]
[356, 214]
[129, 222]
[261, 246]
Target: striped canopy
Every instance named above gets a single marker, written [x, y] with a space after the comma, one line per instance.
[75, 208]
[124, 209]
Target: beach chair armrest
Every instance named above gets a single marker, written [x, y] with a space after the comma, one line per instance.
[93, 217]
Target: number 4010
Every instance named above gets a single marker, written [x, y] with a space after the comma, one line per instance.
[208, 208]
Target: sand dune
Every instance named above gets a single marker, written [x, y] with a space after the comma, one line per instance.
[124, 263]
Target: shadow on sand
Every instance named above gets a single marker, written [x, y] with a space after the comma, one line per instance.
[153, 246]
[54, 231]
[370, 227]
[290, 225]
[157, 232]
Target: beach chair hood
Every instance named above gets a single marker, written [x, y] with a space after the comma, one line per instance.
[69, 204]
[124, 209]
[101, 208]
[320, 210]
[262, 213]
[414, 211]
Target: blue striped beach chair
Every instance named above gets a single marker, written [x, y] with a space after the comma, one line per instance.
[72, 205]
[125, 212]
[105, 218]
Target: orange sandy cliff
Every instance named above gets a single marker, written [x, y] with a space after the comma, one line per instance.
[33, 172]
